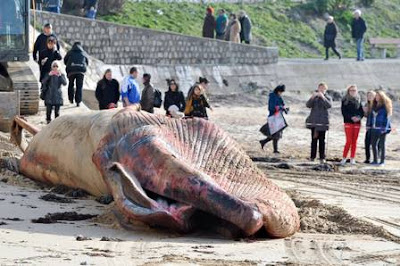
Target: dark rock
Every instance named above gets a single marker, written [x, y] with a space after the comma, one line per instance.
[111, 239]
[13, 219]
[82, 238]
[284, 166]
[55, 198]
[64, 216]
[107, 199]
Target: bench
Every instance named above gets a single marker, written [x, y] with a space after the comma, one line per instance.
[382, 44]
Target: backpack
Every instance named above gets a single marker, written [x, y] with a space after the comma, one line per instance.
[157, 98]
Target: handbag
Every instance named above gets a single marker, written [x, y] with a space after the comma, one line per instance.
[265, 130]
[276, 123]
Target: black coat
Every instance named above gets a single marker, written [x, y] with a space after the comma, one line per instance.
[319, 115]
[174, 98]
[52, 56]
[51, 88]
[41, 44]
[76, 60]
[209, 26]
[107, 91]
[358, 28]
[351, 109]
[330, 35]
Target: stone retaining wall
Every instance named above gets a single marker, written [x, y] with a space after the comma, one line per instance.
[126, 45]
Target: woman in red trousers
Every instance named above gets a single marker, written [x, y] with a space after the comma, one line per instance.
[352, 112]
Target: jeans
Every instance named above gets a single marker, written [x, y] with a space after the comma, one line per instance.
[79, 84]
[352, 131]
[54, 9]
[360, 49]
[49, 109]
[368, 142]
[378, 145]
[317, 136]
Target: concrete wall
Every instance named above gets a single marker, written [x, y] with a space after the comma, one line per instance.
[301, 76]
[125, 45]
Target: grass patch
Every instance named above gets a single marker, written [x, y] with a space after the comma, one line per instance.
[297, 33]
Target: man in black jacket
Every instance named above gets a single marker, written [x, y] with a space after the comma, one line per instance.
[76, 61]
[48, 56]
[358, 28]
[41, 41]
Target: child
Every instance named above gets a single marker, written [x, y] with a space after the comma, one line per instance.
[196, 103]
[51, 91]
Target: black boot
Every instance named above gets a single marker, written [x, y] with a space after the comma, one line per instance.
[263, 142]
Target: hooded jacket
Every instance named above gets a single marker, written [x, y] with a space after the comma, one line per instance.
[76, 60]
[52, 89]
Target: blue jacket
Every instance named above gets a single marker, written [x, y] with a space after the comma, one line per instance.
[221, 24]
[380, 120]
[130, 89]
[275, 103]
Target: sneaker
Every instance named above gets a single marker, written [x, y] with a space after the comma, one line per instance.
[326, 59]
[78, 104]
[71, 102]
[367, 162]
[322, 161]
[312, 159]
[340, 57]
[352, 161]
[343, 161]
[381, 165]
[374, 163]
[276, 152]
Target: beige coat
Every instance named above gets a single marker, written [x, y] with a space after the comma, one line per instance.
[234, 35]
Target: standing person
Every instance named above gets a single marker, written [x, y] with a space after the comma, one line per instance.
[221, 24]
[107, 91]
[275, 104]
[197, 103]
[54, 6]
[148, 94]
[51, 90]
[381, 113]
[318, 120]
[76, 61]
[48, 56]
[358, 28]
[352, 112]
[39, 4]
[209, 24]
[368, 130]
[130, 92]
[245, 25]
[90, 8]
[330, 37]
[174, 99]
[41, 41]
[234, 27]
